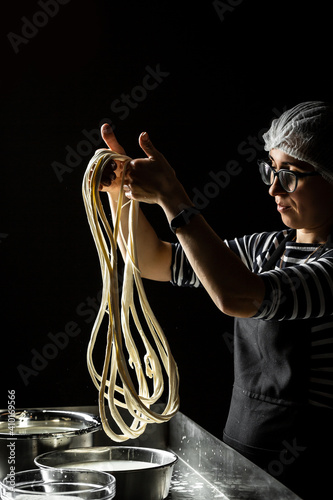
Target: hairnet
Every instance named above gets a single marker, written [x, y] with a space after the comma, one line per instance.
[305, 132]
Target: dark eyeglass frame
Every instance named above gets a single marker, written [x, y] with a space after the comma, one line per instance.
[277, 173]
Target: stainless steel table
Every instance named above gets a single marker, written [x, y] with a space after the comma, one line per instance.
[207, 468]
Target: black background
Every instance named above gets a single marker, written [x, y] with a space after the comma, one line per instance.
[226, 69]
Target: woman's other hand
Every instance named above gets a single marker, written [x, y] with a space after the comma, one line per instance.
[152, 179]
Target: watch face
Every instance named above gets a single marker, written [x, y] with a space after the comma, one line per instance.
[183, 218]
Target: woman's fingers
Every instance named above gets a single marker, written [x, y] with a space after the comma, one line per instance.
[147, 146]
[109, 173]
[110, 139]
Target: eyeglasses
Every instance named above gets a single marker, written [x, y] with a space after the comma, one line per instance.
[287, 179]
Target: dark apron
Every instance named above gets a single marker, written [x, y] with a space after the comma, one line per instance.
[270, 392]
[269, 408]
[270, 421]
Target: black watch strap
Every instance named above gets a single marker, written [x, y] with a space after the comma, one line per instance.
[183, 218]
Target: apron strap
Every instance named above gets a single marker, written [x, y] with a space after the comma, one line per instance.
[278, 252]
[328, 245]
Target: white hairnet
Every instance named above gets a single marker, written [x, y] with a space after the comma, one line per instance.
[305, 132]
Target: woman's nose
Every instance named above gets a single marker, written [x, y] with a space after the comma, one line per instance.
[276, 188]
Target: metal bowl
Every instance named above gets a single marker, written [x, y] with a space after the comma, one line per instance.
[141, 473]
[24, 434]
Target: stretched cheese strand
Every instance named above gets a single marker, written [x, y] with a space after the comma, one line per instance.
[115, 377]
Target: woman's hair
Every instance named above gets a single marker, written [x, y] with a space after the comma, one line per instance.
[305, 132]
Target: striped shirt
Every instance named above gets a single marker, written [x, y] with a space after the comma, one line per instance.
[299, 287]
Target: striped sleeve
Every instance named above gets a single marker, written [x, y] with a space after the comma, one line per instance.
[182, 273]
[299, 292]
[246, 248]
[254, 250]
[321, 364]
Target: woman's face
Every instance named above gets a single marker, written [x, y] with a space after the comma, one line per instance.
[309, 209]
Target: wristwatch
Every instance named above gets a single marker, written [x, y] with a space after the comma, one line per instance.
[183, 218]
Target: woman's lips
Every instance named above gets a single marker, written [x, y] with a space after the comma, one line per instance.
[282, 208]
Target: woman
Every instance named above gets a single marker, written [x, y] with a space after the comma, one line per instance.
[277, 285]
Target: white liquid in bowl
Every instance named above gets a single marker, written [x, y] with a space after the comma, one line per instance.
[44, 429]
[47, 496]
[110, 465]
